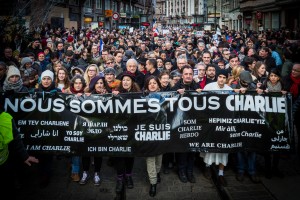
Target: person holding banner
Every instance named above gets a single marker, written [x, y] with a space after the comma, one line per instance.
[124, 165]
[185, 161]
[91, 71]
[292, 84]
[47, 85]
[219, 159]
[273, 83]
[153, 85]
[246, 160]
[166, 85]
[96, 86]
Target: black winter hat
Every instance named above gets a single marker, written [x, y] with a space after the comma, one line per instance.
[94, 81]
[129, 74]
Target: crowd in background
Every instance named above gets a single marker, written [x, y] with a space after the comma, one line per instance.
[101, 61]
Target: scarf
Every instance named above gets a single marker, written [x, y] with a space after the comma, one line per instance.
[114, 84]
[27, 71]
[13, 86]
[203, 82]
[76, 91]
[41, 88]
[295, 86]
[274, 88]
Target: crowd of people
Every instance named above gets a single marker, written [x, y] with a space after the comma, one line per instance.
[101, 61]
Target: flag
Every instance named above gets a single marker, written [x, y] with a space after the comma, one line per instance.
[101, 45]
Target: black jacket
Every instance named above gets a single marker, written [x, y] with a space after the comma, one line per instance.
[139, 78]
[181, 85]
[296, 107]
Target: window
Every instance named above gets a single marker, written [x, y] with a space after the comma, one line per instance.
[107, 5]
[98, 4]
[88, 3]
[275, 20]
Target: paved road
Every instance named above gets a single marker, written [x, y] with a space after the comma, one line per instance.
[62, 188]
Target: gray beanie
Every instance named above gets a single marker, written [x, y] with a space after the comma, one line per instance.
[47, 73]
[12, 70]
[110, 70]
[25, 60]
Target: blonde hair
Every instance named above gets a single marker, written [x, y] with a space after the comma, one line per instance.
[86, 77]
[236, 71]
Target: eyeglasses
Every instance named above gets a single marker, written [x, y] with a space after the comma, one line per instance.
[294, 70]
[92, 70]
[109, 63]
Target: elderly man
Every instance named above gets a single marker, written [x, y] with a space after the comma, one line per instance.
[181, 61]
[132, 67]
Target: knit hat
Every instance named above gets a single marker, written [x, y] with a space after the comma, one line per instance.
[94, 81]
[12, 70]
[129, 53]
[246, 76]
[110, 70]
[41, 53]
[70, 39]
[47, 73]
[130, 75]
[25, 60]
[80, 68]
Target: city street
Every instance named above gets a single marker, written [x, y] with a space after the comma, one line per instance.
[62, 188]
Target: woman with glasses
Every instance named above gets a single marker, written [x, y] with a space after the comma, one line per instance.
[91, 71]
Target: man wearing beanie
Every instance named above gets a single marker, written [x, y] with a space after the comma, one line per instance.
[219, 159]
[110, 78]
[13, 81]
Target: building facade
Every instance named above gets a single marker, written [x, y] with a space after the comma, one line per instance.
[228, 14]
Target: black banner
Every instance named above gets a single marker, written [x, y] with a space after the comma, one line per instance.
[143, 125]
